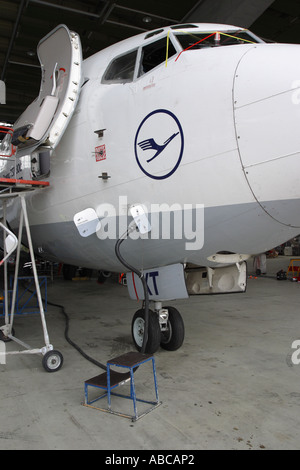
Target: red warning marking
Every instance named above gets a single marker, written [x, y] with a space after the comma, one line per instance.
[100, 153]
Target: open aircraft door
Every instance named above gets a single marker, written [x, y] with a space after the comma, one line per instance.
[44, 121]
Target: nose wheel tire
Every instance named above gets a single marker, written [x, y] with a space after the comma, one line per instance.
[52, 361]
[137, 331]
[173, 337]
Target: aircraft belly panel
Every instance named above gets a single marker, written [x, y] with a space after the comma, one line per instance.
[228, 228]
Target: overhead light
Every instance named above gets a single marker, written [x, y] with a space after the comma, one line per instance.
[30, 53]
[147, 19]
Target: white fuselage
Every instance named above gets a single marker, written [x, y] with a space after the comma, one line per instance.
[231, 116]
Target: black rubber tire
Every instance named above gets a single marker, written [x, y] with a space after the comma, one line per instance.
[53, 361]
[103, 276]
[137, 330]
[172, 339]
[5, 339]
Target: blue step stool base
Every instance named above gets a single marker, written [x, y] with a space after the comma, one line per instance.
[111, 379]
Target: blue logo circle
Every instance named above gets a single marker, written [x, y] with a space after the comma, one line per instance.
[159, 144]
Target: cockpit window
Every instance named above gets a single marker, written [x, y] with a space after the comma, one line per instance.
[121, 70]
[155, 54]
[193, 41]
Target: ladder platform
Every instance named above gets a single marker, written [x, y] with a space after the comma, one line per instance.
[22, 184]
[130, 359]
[294, 268]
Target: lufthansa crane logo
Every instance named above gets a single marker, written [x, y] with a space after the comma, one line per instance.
[159, 144]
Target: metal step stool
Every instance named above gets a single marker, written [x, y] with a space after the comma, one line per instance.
[111, 379]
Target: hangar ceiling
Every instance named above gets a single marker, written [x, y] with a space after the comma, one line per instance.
[101, 23]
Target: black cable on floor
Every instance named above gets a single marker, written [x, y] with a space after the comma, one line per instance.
[67, 337]
[74, 345]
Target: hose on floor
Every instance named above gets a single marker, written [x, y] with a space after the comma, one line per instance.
[67, 337]
[74, 345]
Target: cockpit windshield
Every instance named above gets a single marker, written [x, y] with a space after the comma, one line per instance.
[195, 40]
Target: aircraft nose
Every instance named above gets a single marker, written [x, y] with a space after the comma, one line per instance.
[267, 119]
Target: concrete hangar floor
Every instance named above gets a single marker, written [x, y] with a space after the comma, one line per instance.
[232, 385]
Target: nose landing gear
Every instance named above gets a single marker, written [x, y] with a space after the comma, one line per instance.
[165, 329]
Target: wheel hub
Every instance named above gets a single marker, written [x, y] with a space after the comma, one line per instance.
[163, 317]
[138, 331]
